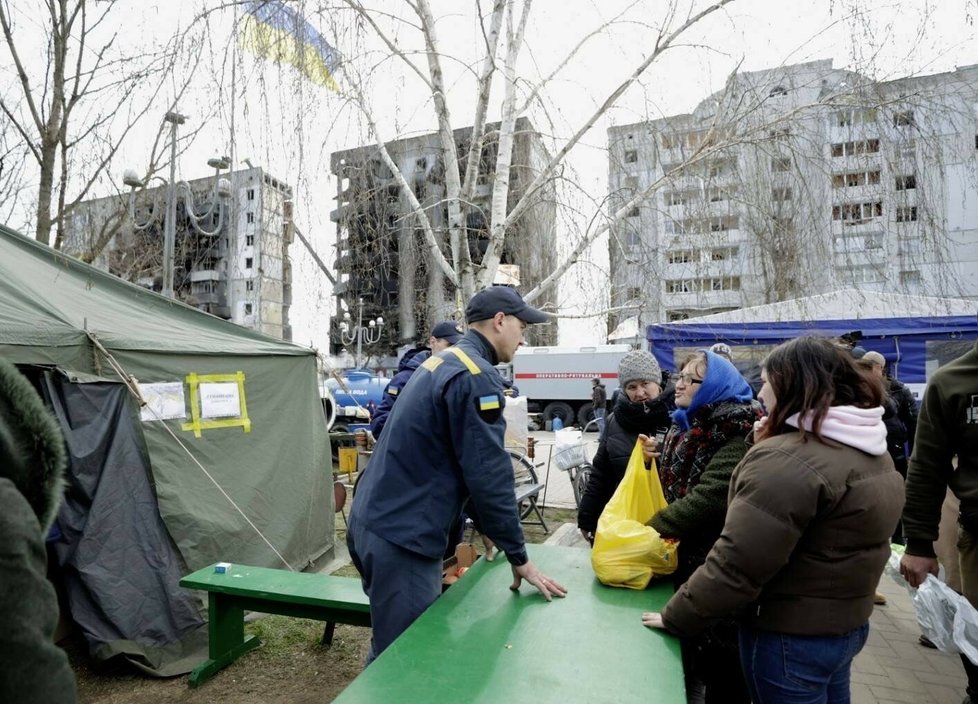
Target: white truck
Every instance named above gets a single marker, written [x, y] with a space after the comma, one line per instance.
[557, 380]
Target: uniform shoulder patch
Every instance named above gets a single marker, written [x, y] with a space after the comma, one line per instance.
[432, 363]
[392, 390]
[489, 407]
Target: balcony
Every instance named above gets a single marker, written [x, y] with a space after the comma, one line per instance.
[199, 275]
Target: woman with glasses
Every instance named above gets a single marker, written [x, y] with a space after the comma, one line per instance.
[714, 413]
[642, 408]
[813, 505]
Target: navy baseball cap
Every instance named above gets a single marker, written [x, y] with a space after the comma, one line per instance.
[502, 299]
[447, 330]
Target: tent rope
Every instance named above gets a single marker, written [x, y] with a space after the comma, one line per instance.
[133, 385]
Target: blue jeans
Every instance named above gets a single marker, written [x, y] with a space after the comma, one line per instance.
[599, 416]
[788, 669]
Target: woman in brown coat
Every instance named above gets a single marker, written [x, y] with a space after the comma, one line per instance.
[812, 507]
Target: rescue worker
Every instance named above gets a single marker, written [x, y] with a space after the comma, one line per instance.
[443, 446]
[443, 335]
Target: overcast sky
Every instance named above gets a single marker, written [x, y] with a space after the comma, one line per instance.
[292, 136]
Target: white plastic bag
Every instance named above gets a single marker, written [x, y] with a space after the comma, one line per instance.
[946, 618]
[517, 423]
[569, 449]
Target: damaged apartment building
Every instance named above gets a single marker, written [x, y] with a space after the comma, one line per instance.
[230, 260]
[795, 181]
[381, 255]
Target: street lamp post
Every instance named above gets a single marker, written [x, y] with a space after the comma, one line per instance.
[220, 196]
[170, 221]
[369, 333]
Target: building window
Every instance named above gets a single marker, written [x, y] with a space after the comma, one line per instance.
[906, 213]
[910, 277]
[855, 178]
[633, 213]
[631, 156]
[864, 146]
[251, 194]
[675, 198]
[845, 118]
[906, 183]
[421, 164]
[976, 141]
[249, 262]
[250, 285]
[909, 247]
[634, 294]
[856, 212]
[249, 217]
[903, 119]
[631, 183]
[249, 240]
[680, 256]
[777, 92]
[248, 307]
[781, 164]
[866, 274]
[722, 254]
[678, 286]
[781, 193]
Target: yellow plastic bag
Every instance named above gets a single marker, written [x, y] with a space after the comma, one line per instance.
[628, 553]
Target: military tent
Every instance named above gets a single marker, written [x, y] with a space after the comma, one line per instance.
[227, 461]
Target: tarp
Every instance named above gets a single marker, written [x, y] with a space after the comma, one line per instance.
[915, 334]
[223, 482]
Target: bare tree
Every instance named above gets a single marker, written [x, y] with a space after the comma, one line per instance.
[72, 111]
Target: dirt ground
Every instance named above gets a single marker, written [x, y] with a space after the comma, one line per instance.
[291, 667]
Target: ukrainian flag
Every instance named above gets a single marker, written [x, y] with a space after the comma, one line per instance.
[271, 29]
[488, 403]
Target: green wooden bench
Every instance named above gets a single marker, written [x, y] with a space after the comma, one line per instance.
[243, 588]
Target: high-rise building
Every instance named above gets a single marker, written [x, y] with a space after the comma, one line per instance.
[382, 257]
[237, 269]
[795, 181]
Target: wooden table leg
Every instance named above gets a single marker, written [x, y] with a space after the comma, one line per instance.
[225, 638]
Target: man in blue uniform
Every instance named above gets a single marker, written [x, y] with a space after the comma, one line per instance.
[443, 335]
[443, 446]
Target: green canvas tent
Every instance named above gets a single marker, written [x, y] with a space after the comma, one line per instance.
[238, 470]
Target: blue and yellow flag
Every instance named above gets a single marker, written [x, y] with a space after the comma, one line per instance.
[274, 31]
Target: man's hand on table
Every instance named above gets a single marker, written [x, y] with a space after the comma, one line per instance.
[548, 587]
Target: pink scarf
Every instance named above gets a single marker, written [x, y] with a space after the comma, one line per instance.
[861, 428]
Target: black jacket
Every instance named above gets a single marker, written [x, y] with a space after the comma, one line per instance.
[627, 421]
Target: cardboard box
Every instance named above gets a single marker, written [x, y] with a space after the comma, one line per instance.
[455, 566]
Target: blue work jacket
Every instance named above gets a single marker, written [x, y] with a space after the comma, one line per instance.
[442, 446]
[411, 360]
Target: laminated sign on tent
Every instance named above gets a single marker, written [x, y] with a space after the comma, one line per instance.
[916, 334]
[228, 460]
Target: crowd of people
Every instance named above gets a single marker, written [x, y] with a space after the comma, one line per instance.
[784, 500]
[784, 496]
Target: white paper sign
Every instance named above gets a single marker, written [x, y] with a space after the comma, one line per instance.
[163, 401]
[219, 400]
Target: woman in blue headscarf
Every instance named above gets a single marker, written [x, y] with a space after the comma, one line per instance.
[714, 413]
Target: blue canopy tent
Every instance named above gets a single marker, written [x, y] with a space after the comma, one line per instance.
[916, 334]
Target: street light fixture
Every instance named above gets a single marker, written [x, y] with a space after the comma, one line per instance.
[220, 195]
[368, 334]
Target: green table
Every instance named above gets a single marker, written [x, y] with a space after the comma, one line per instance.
[482, 643]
